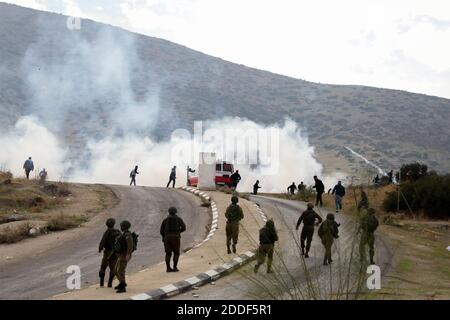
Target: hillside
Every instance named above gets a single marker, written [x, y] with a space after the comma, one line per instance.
[38, 52]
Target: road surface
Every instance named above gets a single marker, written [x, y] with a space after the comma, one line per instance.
[243, 284]
[44, 275]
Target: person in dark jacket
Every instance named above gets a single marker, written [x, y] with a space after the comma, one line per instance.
[171, 229]
[291, 189]
[339, 193]
[256, 187]
[109, 256]
[28, 166]
[267, 238]
[133, 174]
[172, 177]
[308, 218]
[320, 189]
[124, 256]
[235, 178]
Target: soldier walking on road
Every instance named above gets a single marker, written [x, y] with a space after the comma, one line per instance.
[28, 166]
[308, 218]
[133, 174]
[109, 256]
[267, 237]
[171, 229]
[172, 177]
[234, 214]
[320, 189]
[368, 225]
[328, 231]
[123, 247]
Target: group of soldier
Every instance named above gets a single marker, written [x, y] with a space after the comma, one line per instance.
[118, 246]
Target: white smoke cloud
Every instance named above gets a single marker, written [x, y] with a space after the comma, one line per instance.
[29, 138]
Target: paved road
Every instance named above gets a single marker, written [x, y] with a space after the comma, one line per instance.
[245, 285]
[44, 276]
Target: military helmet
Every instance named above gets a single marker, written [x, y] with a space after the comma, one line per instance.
[234, 199]
[125, 224]
[310, 205]
[173, 210]
[330, 216]
[270, 223]
[110, 222]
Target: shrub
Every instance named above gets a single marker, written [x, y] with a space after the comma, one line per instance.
[429, 194]
[417, 169]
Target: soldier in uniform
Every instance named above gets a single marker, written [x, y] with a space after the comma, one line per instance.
[308, 218]
[109, 257]
[328, 231]
[267, 237]
[291, 189]
[368, 225]
[364, 201]
[124, 255]
[171, 229]
[233, 214]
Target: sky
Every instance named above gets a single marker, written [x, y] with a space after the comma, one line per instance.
[401, 44]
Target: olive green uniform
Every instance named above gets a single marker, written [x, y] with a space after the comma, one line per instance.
[328, 231]
[308, 218]
[109, 257]
[364, 201]
[267, 238]
[234, 214]
[367, 236]
[121, 265]
[171, 229]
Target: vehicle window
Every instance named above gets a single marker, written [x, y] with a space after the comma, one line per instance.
[218, 167]
[227, 167]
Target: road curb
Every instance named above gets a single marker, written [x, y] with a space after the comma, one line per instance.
[198, 280]
[210, 275]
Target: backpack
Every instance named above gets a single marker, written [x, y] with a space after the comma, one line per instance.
[120, 245]
[372, 223]
[324, 229]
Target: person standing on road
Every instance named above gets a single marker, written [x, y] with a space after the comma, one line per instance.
[256, 187]
[339, 193]
[124, 248]
[235, 178]
[328, 231]
[291, 189]
[368, 225]
[234, 214]
[171, 229]
[172, 177]
[267, 238]
[133, 174]
[28, 166]
[308, 217]
[109, 257]
[320, 189]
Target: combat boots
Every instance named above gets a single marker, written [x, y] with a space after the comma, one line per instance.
[228, 249]
[255, 269]
[269, 267]
[102, 278]
[121, 288]
[168, 268]
[234, 248]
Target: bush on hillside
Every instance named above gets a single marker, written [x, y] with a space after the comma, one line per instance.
[417, 169]
[430, 194]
